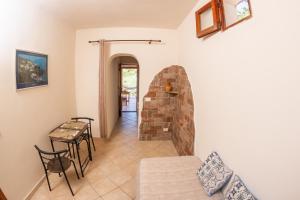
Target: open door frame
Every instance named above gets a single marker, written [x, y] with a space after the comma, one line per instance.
[129, 66]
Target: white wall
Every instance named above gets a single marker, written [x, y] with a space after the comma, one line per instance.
[112, 94]
[245, 83]
[27, 116]
[152, 58]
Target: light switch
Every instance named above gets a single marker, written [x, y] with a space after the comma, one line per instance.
[165, 129]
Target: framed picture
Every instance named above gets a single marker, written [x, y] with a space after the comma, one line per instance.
[207, 19]
[234, 12]
[31, 69]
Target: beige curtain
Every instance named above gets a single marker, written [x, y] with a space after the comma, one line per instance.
[102, 86]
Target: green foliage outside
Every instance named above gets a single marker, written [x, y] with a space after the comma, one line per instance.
[129, 80]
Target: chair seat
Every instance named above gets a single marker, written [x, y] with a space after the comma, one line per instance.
[55, 167]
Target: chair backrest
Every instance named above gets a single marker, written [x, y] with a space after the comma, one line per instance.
[46, 156]
[84, 118]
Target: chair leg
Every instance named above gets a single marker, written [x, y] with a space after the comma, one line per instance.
[75, 169]
[88, 143]
[48, 180]
[91, 136]
[68, 182]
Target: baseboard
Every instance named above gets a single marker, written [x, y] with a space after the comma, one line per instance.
[34, 189]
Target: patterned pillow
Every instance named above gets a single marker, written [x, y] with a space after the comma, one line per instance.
[213, 174]
[238, 191]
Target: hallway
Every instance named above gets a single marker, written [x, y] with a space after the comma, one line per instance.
[112, 173]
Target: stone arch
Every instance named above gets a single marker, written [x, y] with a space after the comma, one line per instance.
[112, 57]
[170, 116]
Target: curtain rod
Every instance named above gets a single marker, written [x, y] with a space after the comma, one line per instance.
[149, 41]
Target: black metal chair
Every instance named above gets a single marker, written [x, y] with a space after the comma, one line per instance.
[89, 120]
[56, 162]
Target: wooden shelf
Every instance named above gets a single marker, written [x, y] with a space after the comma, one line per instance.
[173, 92]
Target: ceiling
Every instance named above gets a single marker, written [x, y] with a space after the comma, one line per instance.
[116, 13]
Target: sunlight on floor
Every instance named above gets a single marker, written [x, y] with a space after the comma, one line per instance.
[112, 173]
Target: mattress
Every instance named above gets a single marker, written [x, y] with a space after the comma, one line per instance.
[171, 178]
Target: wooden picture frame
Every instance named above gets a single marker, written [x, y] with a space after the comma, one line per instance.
[226, 26]
[213, 5]
[2, 196]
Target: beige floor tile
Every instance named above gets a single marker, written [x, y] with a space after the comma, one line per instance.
[61, 191]
[62, 197]
[152, 154]
[86, 192]
[95, 175]
[122, 160]
[54, 179]
[132, 168]
[113, 153]
[42, 193]
[120, 177]
[104, 186]
[117, 194]
[134, 155]
[108, 168]
[76, 184]
[130, 187]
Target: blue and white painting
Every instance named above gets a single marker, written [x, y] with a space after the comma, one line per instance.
[31, 69]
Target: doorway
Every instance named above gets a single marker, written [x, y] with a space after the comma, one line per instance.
[121, 90]
[129, 88]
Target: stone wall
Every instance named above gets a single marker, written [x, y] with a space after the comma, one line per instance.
[173, 112]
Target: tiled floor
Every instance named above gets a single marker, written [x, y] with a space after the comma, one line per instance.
[112, 173]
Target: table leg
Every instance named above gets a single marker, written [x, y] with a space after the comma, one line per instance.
[69, 150]
[52, 145]
[73, 150]
[89, 145]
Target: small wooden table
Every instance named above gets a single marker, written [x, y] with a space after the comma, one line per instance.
[125, 96]
[73, 132]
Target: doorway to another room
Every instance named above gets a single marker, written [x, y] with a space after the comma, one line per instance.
[122, 93]
[129, 88]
